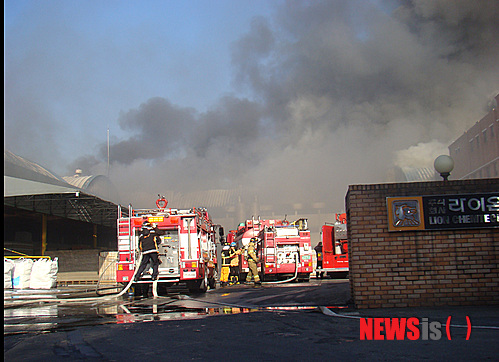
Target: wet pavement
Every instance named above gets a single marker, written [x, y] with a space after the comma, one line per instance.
[27, 311]
[238, 323]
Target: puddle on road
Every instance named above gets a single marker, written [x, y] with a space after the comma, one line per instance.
[151, 313]
[49, 316]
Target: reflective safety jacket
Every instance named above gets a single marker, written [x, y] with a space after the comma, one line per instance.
[148, 244]
[234, 256]
[225, 258]
[251, 252]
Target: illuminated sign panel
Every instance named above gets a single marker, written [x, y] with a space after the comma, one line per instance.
[440, 212]
[155, 219]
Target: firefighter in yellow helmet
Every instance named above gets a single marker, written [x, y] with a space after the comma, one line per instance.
[252, 261]
[224, 274]
[234, 263]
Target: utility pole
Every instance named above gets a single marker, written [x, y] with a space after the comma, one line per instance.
[108, 152]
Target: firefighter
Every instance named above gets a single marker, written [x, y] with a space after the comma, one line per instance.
[252, 261]
[148, 244]
[224, 273]
[210, 269]
[318, 250]
[234, 263]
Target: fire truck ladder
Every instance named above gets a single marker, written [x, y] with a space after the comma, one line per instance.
[125, 234]
[254, 224]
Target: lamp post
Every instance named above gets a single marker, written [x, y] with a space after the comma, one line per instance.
[444, 165]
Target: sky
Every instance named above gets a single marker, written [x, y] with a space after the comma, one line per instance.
[294, 100]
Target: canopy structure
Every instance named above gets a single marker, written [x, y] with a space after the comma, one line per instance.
[29, 186]
[69, 205]
[44, 212]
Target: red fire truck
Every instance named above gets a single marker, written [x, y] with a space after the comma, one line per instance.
[187, 250]
[334, 246]
[284, 249]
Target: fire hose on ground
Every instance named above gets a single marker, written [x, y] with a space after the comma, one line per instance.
[127, 287]
[100, 278]
[154, 283]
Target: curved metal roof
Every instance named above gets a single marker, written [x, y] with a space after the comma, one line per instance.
[98, 185]
[24, 177]
[21, 168]
[29, 186]
[208, 198]
[79, 181]
[419, 174]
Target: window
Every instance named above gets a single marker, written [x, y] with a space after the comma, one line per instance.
[484, 133]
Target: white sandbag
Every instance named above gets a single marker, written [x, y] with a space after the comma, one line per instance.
[8, 268]
[22, 273]
[44, 274]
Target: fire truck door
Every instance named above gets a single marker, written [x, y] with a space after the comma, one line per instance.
[169, 253]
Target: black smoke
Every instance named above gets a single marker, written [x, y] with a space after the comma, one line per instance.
[336, 92]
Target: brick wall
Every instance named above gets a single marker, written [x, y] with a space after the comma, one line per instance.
[418, 268]
[76, 260]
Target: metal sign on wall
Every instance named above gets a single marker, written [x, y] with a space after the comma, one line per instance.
[440, 212]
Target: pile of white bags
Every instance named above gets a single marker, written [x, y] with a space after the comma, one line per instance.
[26, 273]
[8, 271]
[44, 274]
[22, 273]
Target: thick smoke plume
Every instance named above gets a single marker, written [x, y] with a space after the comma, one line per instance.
[337, 92]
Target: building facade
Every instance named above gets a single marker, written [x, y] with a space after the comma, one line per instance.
[476, 152]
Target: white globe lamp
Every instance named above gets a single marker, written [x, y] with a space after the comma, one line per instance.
[444, 165]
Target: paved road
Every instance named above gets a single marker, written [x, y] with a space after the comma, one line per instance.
[240, 323]
[65, 307]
